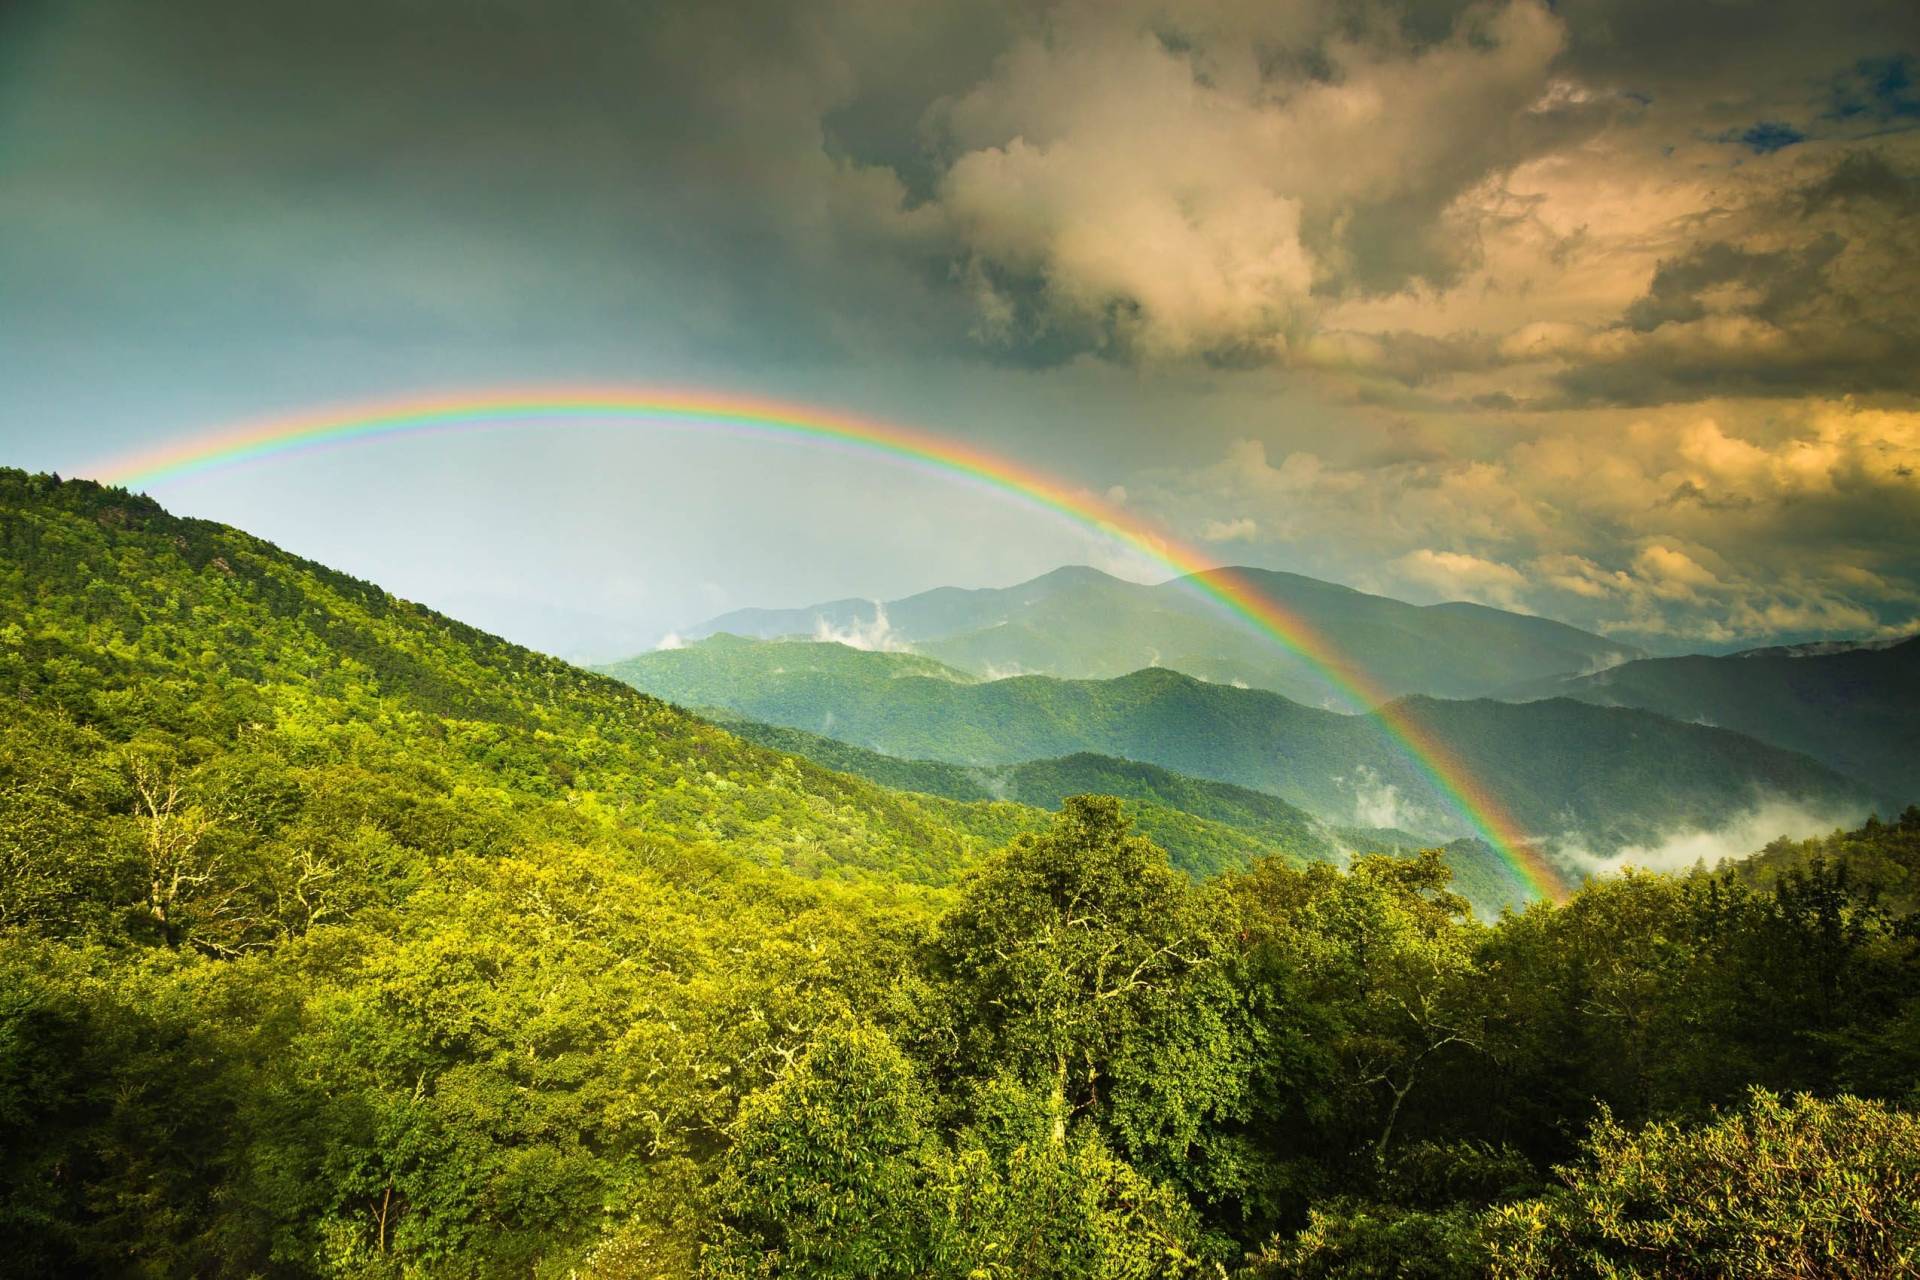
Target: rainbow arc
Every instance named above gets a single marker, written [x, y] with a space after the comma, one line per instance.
[708, 412]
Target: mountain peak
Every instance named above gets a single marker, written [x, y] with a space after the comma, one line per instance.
[1069, 575]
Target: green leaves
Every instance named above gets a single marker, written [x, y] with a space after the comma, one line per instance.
[1783, 1187]
[339, 939]
[824, 1175]
[1064, 947]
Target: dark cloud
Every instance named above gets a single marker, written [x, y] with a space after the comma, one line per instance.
[815, 179]
[1782, 282]
[1494, 222]
[1884, 90]
[1812, 298]
[1866, 178]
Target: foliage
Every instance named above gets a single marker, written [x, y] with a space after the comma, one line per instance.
[337, 939]
[1362, 1240]
[1062, 1210]
[1884, 856]
[822, 1176]
[1783, 1187]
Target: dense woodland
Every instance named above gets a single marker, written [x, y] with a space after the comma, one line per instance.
[338, 939]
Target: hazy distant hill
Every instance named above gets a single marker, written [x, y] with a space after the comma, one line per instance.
[1181, 813]
[1854, 708]
[1046, 783]
[1080, 623]
[1607, 776]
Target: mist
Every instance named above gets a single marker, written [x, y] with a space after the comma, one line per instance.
[1684, 847]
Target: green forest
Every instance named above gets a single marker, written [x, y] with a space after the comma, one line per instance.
[340, 939]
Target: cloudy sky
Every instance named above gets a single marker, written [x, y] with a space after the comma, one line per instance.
[1600, 310]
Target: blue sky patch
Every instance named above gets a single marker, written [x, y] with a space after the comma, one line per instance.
[1882, 89]
[1770, 136]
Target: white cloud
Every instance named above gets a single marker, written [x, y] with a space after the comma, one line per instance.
[1376, 802]
[1171, 197]
[876, 635]
[1240, 530]
[1687, 846]
[1455, 575]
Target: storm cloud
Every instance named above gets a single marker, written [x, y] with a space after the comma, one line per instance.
[1601, 309]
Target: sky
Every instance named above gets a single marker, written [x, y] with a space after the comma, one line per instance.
[1602, 311]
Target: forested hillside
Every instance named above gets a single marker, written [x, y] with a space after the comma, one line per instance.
[340, 940]
[1079, 623]
[1607, 777]
[1182, 814]
[1047, 783]
[1851, 707]
[1880, 859]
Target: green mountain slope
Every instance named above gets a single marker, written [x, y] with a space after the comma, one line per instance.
[1203, 825]
[1606, 777]
[1080, 623]
[325, 914]
[195, 644]
[1852, 709]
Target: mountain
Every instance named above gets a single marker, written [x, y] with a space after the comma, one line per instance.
[1080, 623]
[1205, 827]
[139, 634]
[1156, 794]
[1604, 777]
[125, 631]
[1850, 707]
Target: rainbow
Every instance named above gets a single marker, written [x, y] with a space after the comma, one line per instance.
[709, 412]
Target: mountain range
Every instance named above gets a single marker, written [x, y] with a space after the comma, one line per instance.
[1080, 623]
[1597, 778]
[337, 937]
[127, 631]
[1851, 707]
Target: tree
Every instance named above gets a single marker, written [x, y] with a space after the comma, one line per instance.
[184, 895]
[1796, 1187]
[1385, 953]
[1064, 948]
[1016, 1205]
[822, 1179]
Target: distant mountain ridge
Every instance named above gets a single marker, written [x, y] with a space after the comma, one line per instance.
[1179, 812]
[1821, 648]
[1851, 707]
[1612, 777]
[1182, 814]
[1079, 623]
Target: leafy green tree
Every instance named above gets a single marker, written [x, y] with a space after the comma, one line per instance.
[1796, 1187]
[1079, 963]
[1386, 954]
[823, 1178]
[1069, 1210]
[1422, 1219]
